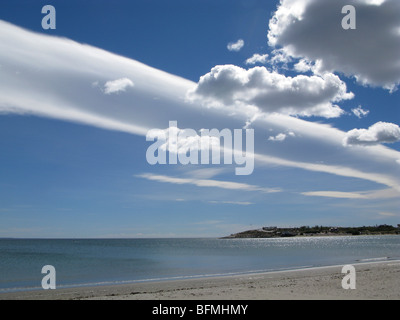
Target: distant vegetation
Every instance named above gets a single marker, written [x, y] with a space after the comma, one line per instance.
[275, 232]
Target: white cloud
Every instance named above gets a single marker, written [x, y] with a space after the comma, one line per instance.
[235, 46]
[359, 112]
[241, 203]
[335, 194]
[66, 86]
[207, 183]
[257, 58]
[380, 132]
[118, 85]
[371, 195]
[281, 136]
[61, 88]
[280, 59]
[206, 173]
[311, 29]
[271, 92]
[388, 214]
[303, 66]
[181, 141]
[384, 179]
[374, 2]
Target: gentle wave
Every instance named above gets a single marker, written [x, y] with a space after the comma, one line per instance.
[198, 276]
[374, 259]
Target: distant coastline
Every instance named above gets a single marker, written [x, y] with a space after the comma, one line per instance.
[306, 231]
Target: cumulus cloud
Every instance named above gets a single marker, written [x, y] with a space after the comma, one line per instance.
[303, 66]
[280, 59]
[257, 58]
[235, 46]
[311, 29]
[66, 87]
[380, 132]
[229, 85]
[359, 112]
[281, 137]
[118, 85]
[181, 141]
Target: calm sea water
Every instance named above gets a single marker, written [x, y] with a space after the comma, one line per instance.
[112, 261]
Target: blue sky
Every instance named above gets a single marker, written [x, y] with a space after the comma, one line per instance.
[323, 103]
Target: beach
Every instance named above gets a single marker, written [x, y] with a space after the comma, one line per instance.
[374, 281]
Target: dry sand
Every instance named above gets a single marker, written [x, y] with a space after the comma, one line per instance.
[378, 280]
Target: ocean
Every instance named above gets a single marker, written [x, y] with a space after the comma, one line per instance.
[88, 262]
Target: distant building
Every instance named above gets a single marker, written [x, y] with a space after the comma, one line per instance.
[270, 228]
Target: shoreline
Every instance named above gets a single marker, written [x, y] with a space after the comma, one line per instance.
[309, 236]
[210, 237]
[375, 280]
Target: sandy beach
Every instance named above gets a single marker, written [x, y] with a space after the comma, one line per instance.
[375, 280]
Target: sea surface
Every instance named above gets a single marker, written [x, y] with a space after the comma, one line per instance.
[90, 262]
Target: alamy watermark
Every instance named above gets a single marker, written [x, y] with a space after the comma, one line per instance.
[349, 280]
[49, 20]
[349, 20]
[49, 280]
[186, 146]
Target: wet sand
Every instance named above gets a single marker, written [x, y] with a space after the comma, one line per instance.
[374, 281]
